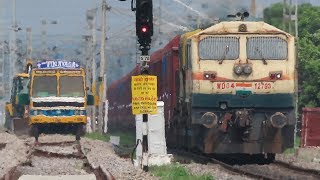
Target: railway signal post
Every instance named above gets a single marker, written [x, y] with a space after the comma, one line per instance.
[144, 31]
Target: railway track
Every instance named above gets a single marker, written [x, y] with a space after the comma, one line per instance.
[273, 171]
[57, 159]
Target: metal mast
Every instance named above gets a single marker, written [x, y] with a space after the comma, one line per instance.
[102, 77]
[44, 38]
[29, 43]
[13, 47]
[290, 15]
[2, 82]
[253, 8]
[91, 65]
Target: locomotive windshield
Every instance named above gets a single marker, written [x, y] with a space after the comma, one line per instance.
[271, 48]
[219, 48]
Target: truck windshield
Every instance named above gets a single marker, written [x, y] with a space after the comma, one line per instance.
[71, 86]
[44, 86]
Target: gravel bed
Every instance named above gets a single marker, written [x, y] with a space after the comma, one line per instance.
[52, 138]
[14, 153]
[304, 157]
[215, 170]
[53, 166]
[102, 154]
[274, 171]
[58, 149]
[7, 138]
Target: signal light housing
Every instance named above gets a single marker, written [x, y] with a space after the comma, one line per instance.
[144, 21]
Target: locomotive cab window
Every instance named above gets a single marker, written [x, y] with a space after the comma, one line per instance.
[219, 48]
[267, 48]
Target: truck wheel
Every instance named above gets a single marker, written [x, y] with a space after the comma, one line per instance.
[79, 131]
[35, 131]
[9, 122]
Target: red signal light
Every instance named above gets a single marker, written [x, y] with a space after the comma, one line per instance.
[144, 29]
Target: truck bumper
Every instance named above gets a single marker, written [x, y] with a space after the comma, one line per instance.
[40, 119]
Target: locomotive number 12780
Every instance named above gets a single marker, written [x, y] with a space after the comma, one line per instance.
[232, 85]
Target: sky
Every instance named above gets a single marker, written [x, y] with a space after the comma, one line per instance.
[170, 18]
[70, 14]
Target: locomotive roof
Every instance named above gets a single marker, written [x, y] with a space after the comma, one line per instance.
[233, 27]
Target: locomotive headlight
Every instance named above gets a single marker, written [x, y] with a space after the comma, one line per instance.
[275, 75]
[35, 112]
[247, 69]
[278, 76]
[209, 75]
[238, 69]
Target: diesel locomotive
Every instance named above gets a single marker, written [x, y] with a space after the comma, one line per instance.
[227, 89]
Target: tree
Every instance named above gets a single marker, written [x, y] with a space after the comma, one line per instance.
[308, 49]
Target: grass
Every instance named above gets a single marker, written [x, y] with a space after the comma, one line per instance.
[126, 139]
[97, 136]
[176, 172]
[295, 147]
[126, 145]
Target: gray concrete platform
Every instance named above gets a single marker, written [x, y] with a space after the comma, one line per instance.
[62, 177]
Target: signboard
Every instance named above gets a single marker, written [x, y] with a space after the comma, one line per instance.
[144, 94]
[45, 72]
[145, 58]
[70, 72]
[58, 64]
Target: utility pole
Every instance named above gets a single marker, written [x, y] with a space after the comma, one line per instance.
[2, 85]
[44, 38]
[102, 81]
[289, 16]
[91, 19]
[253, 8]
[29, 43]
[13, 47]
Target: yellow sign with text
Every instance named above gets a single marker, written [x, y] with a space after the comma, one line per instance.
[144, 94]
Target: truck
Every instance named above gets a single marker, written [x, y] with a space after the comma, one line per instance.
[16, 111]
[57, 98]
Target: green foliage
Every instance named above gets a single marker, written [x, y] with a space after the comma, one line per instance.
[308, 49]
[296, 146]
[126, 138]
[98, 136]
[176, 172]
[273, 15]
